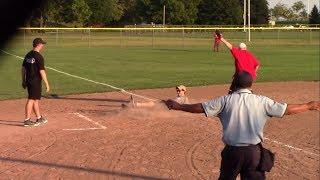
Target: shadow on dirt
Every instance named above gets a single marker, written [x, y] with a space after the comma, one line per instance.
[12, 123]
[77, 168]
[55, 96]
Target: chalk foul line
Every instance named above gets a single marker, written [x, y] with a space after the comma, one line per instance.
[88, 80]
[291, 147]
[99, 126]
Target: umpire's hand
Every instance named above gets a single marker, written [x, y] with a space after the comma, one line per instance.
[171, 104]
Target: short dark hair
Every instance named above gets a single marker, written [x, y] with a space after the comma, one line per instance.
[38, 41]
[243, 79]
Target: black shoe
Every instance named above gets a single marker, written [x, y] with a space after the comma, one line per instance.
[28, 123]
[41, 120]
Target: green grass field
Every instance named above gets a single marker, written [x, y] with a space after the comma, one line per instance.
[141, 61]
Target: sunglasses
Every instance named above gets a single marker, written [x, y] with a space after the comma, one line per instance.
[178, 90]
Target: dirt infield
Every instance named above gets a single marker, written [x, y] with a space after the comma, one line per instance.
[90, 136]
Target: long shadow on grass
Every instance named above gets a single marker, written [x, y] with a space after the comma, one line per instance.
[77, 168]
[55, 96]
[11, 123]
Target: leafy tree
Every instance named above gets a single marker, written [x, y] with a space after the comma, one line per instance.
[259, 12]
[314, 16]
[104, 11]
[300, 10]
[220, 12]
[303, 15]
[177, 11]
[298, 6]
[281, 10]
[77, 11]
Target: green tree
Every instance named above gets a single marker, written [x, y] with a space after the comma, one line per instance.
[77, 11]
[298, 6]
[281, 10]
[259, 12]
[104, 11]
[299, 10]
[177, 11]
[314, 16]
[220, 12]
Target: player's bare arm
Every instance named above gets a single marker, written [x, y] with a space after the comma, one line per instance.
[229, 45]
[257, 68]
[299, 108]
[44, 77]
[192, 108]
[23, 78]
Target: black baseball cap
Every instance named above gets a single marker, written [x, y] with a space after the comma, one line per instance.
[37, 41]
[243, 80]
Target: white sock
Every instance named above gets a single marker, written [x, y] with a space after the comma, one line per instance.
[39, 117]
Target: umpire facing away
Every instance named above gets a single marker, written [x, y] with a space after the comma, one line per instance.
[243, 116]
[33, 72]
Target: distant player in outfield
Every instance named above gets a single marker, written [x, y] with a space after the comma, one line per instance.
[181, 99]
[33, 72]
[243, 61]
[217, 41]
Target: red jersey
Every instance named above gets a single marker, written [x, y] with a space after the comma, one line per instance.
[245, 61]
[217, 38]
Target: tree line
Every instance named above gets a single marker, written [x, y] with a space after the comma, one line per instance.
[78, 13]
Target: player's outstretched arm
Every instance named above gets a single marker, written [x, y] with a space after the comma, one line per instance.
[229, 45]
[299, 108]
[192, 108]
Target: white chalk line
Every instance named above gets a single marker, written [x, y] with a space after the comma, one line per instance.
[100, 127]
[291, 147]
[88, 80]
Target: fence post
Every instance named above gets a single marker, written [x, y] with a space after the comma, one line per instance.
[121, 38]
[278, 34]
[57, 36]
[24, 39]
[310, 36]
[89, 38]
[183, 45]
[152, 38]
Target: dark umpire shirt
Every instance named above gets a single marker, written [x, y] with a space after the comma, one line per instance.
[33, 63]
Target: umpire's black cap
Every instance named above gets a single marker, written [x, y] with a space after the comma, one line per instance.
[37, 41]
[243, 80]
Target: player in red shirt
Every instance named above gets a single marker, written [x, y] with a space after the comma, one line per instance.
[217, 40]
[243, 61]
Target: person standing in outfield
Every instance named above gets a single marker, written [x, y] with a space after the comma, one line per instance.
[243, 61]
[243, 116]
[33, 72]
[217, 41]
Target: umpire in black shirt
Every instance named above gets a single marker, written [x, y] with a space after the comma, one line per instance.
[33, 72]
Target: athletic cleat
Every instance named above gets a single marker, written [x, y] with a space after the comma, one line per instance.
[132, 103]
[41, 121]
[28, 123]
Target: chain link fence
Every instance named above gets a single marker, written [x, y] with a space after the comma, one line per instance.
[164, 37]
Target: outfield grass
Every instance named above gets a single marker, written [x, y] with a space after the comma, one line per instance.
[132, 63]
